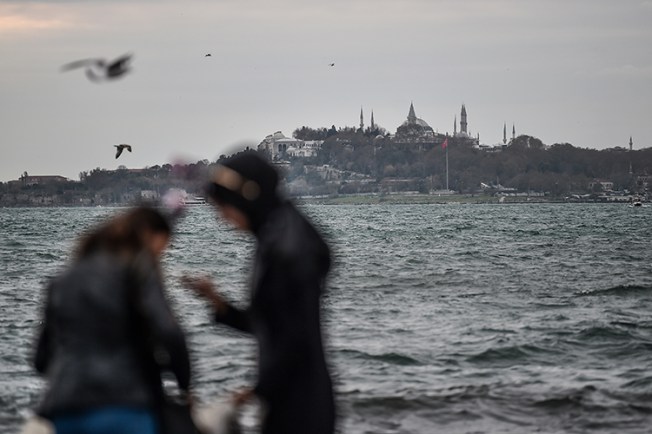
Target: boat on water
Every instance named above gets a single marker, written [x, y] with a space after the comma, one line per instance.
[636, 202]
[194, 200]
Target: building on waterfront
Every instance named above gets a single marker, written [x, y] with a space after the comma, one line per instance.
[603, 185]
[278, 146]
[26, 179]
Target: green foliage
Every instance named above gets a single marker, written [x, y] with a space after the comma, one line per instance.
[369, 161]
[526, 164]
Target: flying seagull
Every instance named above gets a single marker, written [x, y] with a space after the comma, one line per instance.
[100, 69]
[331, 64]
[208, 55]
[121, 147]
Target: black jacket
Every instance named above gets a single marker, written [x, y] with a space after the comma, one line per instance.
[106, 332]
[290, 267]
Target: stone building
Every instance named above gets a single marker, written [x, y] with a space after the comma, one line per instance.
[278, 146]
[415, 130]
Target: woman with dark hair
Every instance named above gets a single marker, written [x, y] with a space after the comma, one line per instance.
[108, 331]
[291, 263]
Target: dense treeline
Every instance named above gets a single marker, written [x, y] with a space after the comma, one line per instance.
[106, 187]
[526, 164]
[109, 187]
[367, 161]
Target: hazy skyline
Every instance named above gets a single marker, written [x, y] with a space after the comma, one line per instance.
[563, 71]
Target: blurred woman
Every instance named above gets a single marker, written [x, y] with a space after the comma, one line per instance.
[290, 268]
[108, 331]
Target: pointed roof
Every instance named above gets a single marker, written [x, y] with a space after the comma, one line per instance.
[413, 120]
[412, 117]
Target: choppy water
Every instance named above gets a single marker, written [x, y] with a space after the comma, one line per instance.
[440, 318]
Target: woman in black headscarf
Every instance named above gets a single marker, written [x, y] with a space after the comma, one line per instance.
[290, 267]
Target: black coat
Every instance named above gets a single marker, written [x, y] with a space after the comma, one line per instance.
[104, 322]
[290, 267]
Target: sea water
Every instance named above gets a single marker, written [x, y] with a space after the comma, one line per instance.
[438, 318]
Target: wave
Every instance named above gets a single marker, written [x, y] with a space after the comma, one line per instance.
[506, 409]
[508, 356]
[47, 255]
[619, 290]
[389, 358]
[601, 333]
[643, 383]
[13, 244]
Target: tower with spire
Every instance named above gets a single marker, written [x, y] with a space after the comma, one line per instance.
[631, 148]
[373, 125]
[463, 124]
[361, 119]
[412, 117]
[513, 131]
[455, 126]
[505, 133]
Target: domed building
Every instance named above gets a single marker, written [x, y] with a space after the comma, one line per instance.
[277, 144]
[414, 130]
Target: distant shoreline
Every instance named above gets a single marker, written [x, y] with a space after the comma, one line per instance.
[414, 199]
[378, 199]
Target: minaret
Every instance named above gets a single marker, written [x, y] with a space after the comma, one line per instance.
[505, 133]
[373, 125]
[455, 126]
[412, 118]
[463, 121]
[361, 119]
[513, 131]
[631, 147]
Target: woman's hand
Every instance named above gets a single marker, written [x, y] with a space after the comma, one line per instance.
[204, 287]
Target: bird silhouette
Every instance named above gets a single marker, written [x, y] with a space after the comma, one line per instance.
[331, 64]
[208, 55]
[121, 147]
[100, 69]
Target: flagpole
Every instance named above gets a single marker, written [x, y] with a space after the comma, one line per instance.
[447, 165]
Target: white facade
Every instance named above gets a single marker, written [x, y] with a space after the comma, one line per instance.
[278, 145]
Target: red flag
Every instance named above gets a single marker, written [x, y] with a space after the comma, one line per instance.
[444, 144]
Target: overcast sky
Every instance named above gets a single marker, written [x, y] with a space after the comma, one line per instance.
[576, 71]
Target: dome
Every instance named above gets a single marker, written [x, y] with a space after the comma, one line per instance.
[417, 121]
[413, 120]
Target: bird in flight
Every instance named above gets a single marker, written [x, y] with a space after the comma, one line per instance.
[121, 147]
[100, 69]
[331, 64]
[208, 55]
